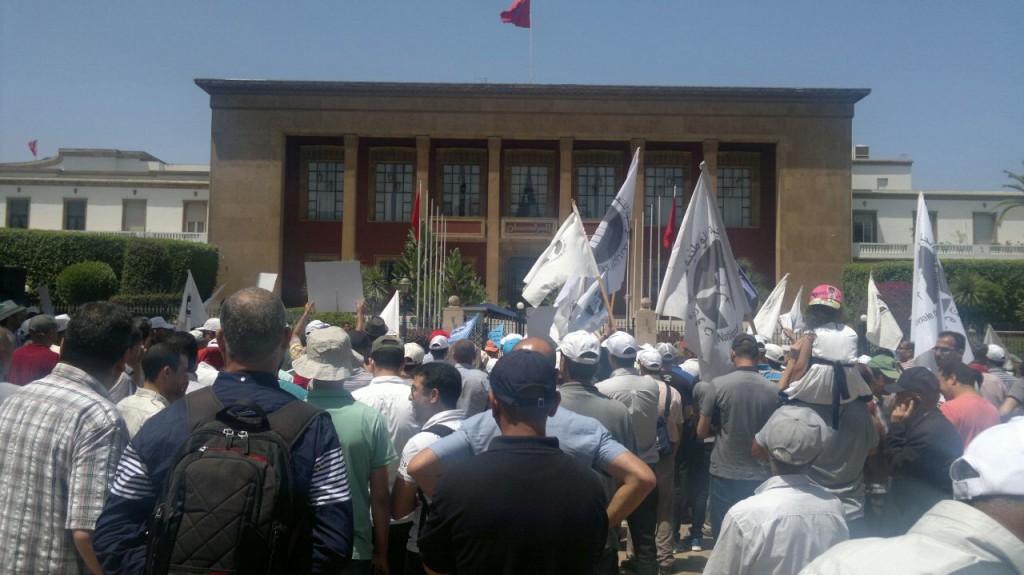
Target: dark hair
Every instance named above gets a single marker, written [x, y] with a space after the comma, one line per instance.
[964, 374]
[821, 314]
[392, 358]
[464, 351]
[747, 349]
[445, 379]
[97, 336]
[253, 320]
[581, 372]
[187, 345]
[979, 349]
[361, 344]
[158, 357]
[959, 341]
[142, 324]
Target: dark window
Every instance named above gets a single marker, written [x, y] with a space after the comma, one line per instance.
[393, 191]
[865, 228]
[735, 187]
[17, 213]
[595, 190]
[74, 214]
[659, 184]
[529, 191]
[460, 189]
[325, 192]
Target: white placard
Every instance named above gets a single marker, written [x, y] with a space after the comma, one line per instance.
[267, 281]
[334, 286]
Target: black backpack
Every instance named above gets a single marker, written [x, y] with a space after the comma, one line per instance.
[227, 504]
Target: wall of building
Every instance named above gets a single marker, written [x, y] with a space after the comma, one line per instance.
[954, 217]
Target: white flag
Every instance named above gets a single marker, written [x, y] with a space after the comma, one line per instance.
[768, 316]
[579, 308]
[794, 320]
[611, 239]
[192, 312]
[882, 329]
[933, 309]
[702, 285]
[391, 315]
[569, 255]
[991, 337]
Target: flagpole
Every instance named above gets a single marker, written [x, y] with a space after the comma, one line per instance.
[531, 50]
[657, 245]
[428, 287]
[607, 303]
[650, 255]
[419, 276]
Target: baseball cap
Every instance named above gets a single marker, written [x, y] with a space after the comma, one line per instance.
[212, 324]
[886, 365]
[523, 377]
[62, 321]
[742, 339]
[996, 353]
[992, 464]
[197, 334]
[438, 342]
[774, 352]
[668, 353]
[315, 325]
[793, 435]
[916, 380]
[387, 342]
[691, 366]
[649, 359]
[42, 324]
[414, 353]
[581, 347]
[375, 327]
[826, 295]
[328, 355]
[621, 344]
[159, 322]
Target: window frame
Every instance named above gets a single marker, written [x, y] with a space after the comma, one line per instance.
[463, 157]
[124, 214]
[84, 202]
[600, 159]
[184, 216]
[671, 160]
[28, 212]
[530, 158]
[398, 156]
[321, 154]
[873, 214]
[741, 161]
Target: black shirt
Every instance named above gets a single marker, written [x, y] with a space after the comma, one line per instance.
[523, 506]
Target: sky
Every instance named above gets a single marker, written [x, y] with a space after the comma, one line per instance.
[947, 77]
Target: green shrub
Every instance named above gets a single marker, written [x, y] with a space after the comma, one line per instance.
[85, 282]
[338, 318]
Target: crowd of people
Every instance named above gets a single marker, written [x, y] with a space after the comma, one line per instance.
[251, 445]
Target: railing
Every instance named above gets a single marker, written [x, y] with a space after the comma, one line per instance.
[182, 236]
[866, 251]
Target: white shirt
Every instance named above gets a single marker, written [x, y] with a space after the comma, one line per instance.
[139, 407]
[952, 537]
[206, 374]
[451, 419]
[389, 395]
[786, 524]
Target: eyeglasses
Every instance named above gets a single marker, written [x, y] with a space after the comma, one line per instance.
[938, 349]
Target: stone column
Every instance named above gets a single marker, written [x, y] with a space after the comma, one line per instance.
[348, 219]
[452, 316]
[422, 163]
[711, 162]
[646, 323]
[493, 224]
[564, 179]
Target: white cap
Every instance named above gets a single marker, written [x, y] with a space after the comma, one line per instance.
[414, 352]
[774, 352]
[621, 344]
[668, 353]
[996, 353]
[649, 359]
[993, 463]
[315, 325]
[62, 321]
[793, 435]
[581, 347]
[439, 342]
[691, 366]
[864, 359]
[198, 334]
[159, 322]
[212, 324]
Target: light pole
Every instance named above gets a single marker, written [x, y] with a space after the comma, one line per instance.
[403, 286]
[519, 308]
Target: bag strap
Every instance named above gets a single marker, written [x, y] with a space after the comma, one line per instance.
[292, 419]
[668, 399]
[201, 406]
[439, 430]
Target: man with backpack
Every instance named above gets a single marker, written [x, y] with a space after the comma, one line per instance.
[238, 477]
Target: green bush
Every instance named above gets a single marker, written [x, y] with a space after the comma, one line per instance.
[338, 318]
[85, 282]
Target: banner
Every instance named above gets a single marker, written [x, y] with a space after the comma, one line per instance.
[192, 313]
[882, 329]
[391, 315]
[611, 239]
[794, 320]
[463, 331]
[569, 255]
[767, 317]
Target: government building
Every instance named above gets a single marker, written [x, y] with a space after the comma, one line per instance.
[315, 171]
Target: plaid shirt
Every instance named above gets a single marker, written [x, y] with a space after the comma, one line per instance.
[62, 438]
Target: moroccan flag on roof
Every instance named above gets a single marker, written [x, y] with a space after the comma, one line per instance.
[32, 143]
[518, 15]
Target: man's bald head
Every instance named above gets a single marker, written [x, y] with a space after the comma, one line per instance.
[538, 345]
[252, 321]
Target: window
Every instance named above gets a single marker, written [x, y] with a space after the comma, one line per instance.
[393, 178]
[529, 191]
[865, 227]
[882, 183]
[984, 228]
[322, 183]
[74, 214]
[461, 182]
[660, 181]
[739, 189]
[933, 217]
[597, 175]
[195, 218]
[17, 213]
[133, 216]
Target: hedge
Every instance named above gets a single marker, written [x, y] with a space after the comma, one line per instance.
[86, 281]
[1009, 275]
[142, 265]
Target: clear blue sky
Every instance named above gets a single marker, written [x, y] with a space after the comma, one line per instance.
[947, 77]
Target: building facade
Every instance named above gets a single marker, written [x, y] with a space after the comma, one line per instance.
[305, 171]
[965, 224]
[111, 191]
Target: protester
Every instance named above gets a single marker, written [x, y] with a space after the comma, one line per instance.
[62, 326]
[61, 439]
[11, 317]
[7, 389]
[160, 330]
[125, 385]
[414, 354]
[964, 407]
[949, 349]
[741, 401]
[905, 354]
[524, 492]
[474, 381]
[254, 338]
[995, 359]
[697, 461]
[438, 347]
[919, 449]
[361, 374]
[435, 393]
[981, 532]
[991, 388]
[790, 520]
[165, 368]
[35, 360]
[364, 439]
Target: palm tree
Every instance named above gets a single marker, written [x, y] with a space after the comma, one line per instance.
[1007, 205]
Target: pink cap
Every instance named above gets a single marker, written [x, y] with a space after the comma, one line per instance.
[827, 295]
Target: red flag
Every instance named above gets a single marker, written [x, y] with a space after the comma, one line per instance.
[518, 14]
[416, 215]
[32, 146]
[670, 229]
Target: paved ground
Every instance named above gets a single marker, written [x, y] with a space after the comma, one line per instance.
[686, 563]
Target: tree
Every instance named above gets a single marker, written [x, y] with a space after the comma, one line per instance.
[1017, 183]
[978, 300]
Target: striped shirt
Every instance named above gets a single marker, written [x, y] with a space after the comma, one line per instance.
[62, 437]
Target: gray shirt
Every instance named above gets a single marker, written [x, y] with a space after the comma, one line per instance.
[475, 386]
[742, 400]
[640, 396]
[587, 400]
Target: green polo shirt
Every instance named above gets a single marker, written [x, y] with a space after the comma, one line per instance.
[366, 444]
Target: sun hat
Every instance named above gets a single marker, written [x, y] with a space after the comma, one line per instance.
[328, 355]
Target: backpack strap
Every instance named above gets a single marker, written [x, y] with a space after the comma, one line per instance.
[201, 406]
[292, 419]
[441, 431]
